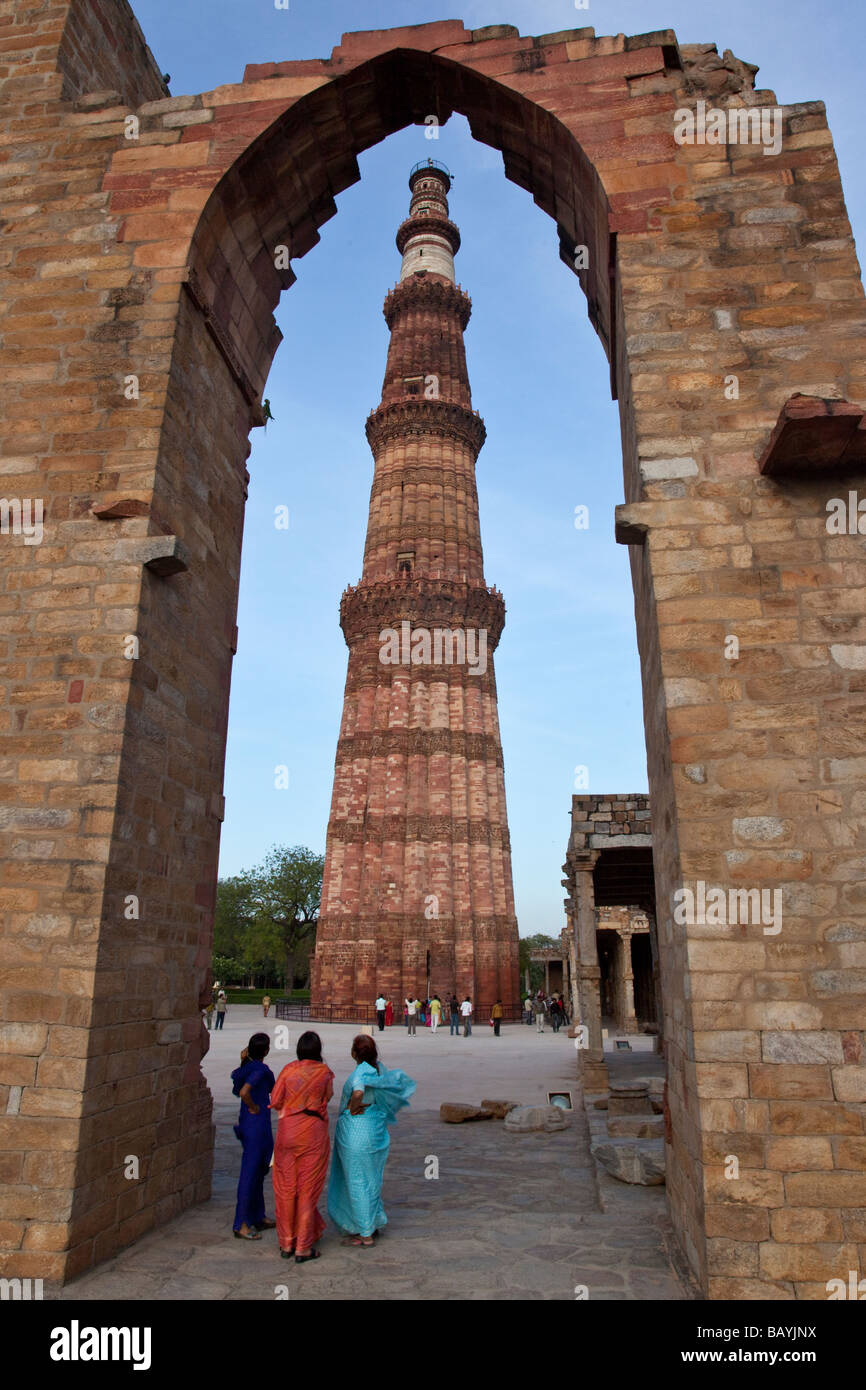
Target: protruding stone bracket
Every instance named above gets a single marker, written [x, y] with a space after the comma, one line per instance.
[120, 509]
[629, 529]
[815, 435]
[162, 555]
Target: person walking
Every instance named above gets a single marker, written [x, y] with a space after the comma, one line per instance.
[412, 1015]
[389, 1014]
[527, 1010]
[381, 1006]
[266, 1004]
[302, 1149]
[497, 1017]
[466, 1014]
[253, 1082]
[406, 1012]
[371, 1098]
[454, 1015]
[555, 1013]
[538, 1010]
[208, 1015]
[435, 1012]
[221, 1006]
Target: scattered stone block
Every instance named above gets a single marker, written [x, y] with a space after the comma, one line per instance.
[530, 1119]
[455, 1113]
[499, 1108]
[633, 1161]
[629, 1098]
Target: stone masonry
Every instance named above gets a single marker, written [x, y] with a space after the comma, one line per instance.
[417, 894]
[140, 262]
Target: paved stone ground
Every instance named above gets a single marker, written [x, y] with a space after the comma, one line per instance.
[510, 1216]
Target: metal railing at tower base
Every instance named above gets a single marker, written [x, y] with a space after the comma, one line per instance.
[291, 1011]
[325, 1013]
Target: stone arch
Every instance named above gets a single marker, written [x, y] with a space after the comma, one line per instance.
[729, 263]
[280, 189]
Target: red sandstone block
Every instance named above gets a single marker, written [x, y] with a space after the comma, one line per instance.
[156, 226]
[471, 53]
[359, 46]
[303, 67]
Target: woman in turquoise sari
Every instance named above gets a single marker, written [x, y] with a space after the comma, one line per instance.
[371, 1098]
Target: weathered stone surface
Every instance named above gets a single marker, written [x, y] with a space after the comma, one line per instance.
[526, 1119]
[500, 1108]
[455, 1113]
[725, 260]
[633, 1161]
[636, 1126]
[629, 1098]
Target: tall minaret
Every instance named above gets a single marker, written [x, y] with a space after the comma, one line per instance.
[417, 895]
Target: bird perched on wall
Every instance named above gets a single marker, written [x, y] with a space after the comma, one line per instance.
[266, 411]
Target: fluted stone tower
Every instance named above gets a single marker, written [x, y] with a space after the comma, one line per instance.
[417, 893]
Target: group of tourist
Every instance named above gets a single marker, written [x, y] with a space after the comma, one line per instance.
[431, 1012]
[542, 1007]
[371, 1097]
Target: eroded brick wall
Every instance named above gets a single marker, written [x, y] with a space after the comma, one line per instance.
[726, 260]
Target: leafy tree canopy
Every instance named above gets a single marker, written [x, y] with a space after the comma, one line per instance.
[266, 917]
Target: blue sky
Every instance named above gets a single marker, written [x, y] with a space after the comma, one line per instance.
[567, 667]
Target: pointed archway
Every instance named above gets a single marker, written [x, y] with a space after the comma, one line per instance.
[721, 279]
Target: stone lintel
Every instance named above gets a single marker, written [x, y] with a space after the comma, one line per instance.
[620, 841]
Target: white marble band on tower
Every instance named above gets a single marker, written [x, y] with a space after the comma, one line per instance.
[429, 248]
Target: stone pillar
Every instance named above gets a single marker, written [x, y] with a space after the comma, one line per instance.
[547, 977]
[628, 1022]
[593, 1071]
[570, 990]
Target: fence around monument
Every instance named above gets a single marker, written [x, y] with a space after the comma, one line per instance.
[341, 1013]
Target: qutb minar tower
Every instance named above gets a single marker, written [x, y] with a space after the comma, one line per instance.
[417, 895]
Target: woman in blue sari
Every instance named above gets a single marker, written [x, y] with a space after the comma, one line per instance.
[371, 1098]
[253, 1081]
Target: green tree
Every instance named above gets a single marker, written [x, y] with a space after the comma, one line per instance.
[266, 917]
[528, 944]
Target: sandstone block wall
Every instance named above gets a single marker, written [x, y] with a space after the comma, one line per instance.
[154, 257]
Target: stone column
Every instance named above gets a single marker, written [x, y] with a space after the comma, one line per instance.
[628, 1023]
[591, 1063]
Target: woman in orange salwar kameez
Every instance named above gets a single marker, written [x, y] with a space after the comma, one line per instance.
[302, 1148]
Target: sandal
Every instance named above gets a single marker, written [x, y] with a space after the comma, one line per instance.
[287, 1254]
[247, 1235]
[266, 1225]
[313, 1255]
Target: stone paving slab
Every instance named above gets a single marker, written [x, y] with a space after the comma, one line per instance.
[511, 1216]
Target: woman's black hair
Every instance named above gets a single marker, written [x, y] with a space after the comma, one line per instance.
[309, 1047]
[258, 1047]
[366, 1050]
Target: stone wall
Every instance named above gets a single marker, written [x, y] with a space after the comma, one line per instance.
[154, 257]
